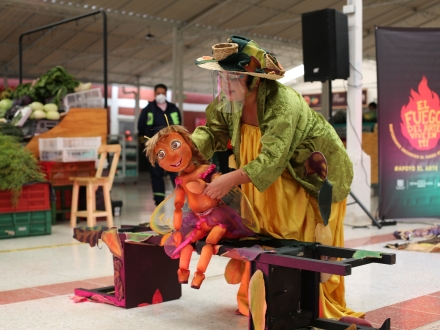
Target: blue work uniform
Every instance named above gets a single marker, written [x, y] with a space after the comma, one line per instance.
[152, 120]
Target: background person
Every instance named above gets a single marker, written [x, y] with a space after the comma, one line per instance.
[371, 114]
[151, 121]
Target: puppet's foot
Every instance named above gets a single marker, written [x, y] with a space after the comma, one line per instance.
[183, 275]
[197, 280]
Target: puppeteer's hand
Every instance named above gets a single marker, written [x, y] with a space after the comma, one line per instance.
[219, 187]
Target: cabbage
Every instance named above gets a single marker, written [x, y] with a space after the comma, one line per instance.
[39, 114]
[52, 115]
[5, 104]
[36, 106]
[50, 107]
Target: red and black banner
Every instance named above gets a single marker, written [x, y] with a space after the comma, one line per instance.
[408, 82]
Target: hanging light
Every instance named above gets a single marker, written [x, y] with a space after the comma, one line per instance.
[149, 35]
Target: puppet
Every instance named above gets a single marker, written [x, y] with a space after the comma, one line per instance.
[173, 149]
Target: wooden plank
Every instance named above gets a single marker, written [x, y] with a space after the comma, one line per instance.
[78, 122]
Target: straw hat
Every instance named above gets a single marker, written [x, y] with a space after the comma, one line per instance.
[242, 55]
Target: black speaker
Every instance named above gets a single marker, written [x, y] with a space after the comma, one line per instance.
[325, 45]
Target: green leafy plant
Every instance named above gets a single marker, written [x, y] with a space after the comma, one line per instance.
[21, 90]
[56, 83]
[17, 167]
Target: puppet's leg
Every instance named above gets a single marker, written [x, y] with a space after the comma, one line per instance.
[213, 237]
[185, 258]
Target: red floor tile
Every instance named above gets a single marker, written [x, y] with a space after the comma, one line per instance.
[13, 296]
[401, 318]
[102, 281]
[65, 288]
[379, 325]
[428, 304]
[435, 294]
[44, 291]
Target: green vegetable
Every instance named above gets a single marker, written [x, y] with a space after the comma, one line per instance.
[21, 90]
[50, 107]
[38, 114]
[36, 106]
[8, 129]
[52, 115]
[17, 167]
[5, 104]
[54, 83]
[6, 93]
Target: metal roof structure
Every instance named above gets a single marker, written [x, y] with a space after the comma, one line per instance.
[143, 34]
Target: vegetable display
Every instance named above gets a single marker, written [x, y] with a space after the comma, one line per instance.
[17, 167]
[55, 83]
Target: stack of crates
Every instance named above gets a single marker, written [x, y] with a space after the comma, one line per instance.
[31, 216]
[70, 149]
[91, 98]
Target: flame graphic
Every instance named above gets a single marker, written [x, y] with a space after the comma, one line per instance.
[421, 118]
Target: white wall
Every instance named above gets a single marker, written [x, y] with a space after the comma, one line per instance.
[369, 82]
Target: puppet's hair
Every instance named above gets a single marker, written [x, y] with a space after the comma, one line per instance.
[197, 157]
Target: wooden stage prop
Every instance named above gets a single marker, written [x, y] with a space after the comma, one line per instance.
[144, 274]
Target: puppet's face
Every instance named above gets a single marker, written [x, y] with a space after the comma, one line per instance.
[173, 153]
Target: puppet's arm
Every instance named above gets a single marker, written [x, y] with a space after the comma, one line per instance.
[178, 204]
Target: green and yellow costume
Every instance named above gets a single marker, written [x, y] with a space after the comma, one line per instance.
[274, 153]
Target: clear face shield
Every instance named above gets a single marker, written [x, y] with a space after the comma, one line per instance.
[229, 91]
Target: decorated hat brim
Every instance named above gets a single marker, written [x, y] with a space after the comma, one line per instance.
[213, 65]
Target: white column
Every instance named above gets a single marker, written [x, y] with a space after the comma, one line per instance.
[180, 72]
[137, 107]
[361, 161]
[325, 111]
[175, 64]
[114, 111]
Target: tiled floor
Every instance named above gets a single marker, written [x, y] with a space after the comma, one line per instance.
[39, 273]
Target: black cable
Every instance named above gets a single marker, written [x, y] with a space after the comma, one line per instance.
[352, 126]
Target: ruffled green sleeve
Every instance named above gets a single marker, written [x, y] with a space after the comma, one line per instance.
[282, 125]
[214, 136]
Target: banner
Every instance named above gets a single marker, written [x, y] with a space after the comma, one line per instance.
[408, 80]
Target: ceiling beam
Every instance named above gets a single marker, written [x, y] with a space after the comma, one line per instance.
[202, 15]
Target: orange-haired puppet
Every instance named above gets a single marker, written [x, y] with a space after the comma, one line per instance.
[173, 149]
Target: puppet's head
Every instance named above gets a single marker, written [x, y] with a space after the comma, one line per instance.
[173, 149]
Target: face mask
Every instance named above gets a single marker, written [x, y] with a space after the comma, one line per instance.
[161, 98]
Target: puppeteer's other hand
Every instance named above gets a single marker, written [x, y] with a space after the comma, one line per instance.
[219, 187]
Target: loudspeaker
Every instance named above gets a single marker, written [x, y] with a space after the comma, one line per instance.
[325, 45]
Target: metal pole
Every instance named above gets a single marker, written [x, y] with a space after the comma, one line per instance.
[45, 27]
[375, 222]
[20, 60]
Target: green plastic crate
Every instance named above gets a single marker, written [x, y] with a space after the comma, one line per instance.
[20, 224]
[7, 231]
